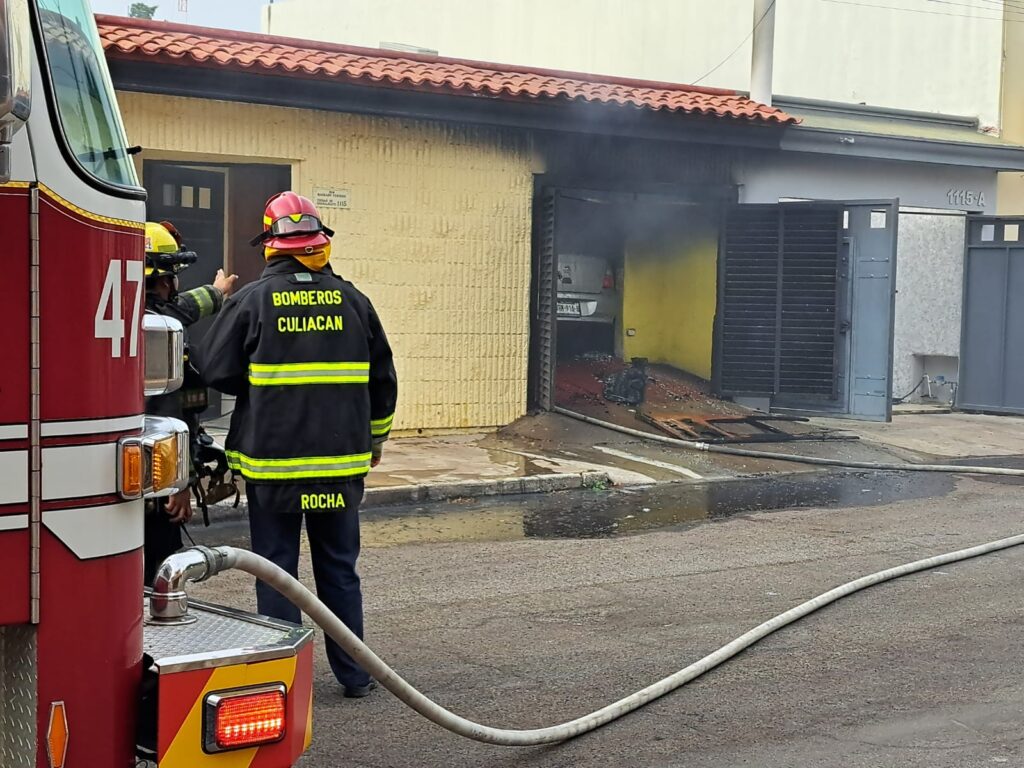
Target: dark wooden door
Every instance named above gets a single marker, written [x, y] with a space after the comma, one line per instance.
[193, 199]
[251, 186]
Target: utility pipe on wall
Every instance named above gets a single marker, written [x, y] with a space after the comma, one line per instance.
[762, 54]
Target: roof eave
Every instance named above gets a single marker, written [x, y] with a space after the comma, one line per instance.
[797, 105]
[862, 145]
[280, 89]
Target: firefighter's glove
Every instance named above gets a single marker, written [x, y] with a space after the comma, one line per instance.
[378, 451]
[179, 507]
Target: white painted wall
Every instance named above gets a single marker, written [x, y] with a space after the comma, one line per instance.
[769, 178]
[907, 54]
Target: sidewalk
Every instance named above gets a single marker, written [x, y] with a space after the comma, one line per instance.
[920, 435]
[549, 452]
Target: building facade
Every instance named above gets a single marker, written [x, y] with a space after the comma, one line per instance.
[435, 230]
[902, 54]
[434, 214]
[910, 69]
[469, 197]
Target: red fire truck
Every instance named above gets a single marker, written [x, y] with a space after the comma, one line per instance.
[87, 679]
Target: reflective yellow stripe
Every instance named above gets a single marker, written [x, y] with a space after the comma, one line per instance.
[61, 202]
[202, 297]
[380, 427]
[282, 374]
[310, 380]
[276, 367]
[297, 468]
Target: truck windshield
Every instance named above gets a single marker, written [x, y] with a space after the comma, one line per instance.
[83, 91]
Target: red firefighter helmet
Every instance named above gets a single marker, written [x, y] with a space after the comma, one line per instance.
[292, 223]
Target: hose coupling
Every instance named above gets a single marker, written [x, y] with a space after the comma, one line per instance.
[168, 602]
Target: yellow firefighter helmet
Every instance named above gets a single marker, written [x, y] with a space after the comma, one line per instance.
[165, 254]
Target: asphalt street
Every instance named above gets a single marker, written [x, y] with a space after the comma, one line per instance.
[523, 612]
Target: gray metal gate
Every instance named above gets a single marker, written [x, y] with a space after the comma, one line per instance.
[778, 296]
[871, 236]
[805, 306]
[992, 333]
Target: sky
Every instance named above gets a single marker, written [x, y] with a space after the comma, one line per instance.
[232, 14]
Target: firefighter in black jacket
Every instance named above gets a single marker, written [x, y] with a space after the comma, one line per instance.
[307, 359]
[166, 257]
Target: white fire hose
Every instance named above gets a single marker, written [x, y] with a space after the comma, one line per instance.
[200, 563]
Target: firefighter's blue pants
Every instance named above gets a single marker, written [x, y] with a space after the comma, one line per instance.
[275, 523]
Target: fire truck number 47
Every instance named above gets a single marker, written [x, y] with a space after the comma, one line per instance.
[115, 328]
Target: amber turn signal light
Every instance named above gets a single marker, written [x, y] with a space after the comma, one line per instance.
[130, 468]
[57, 735]
[165, 463]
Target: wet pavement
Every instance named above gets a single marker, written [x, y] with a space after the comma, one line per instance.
[550, 444]
[608, 512]
[521, 625]
[620, 512]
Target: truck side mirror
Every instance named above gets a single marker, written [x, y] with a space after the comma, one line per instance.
[164, 338]
[15, 76]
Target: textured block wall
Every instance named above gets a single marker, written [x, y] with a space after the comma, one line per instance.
[437, 234]
[929, 294]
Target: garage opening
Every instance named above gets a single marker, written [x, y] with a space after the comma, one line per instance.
[589, 271]
[624, 282]
[699, 309]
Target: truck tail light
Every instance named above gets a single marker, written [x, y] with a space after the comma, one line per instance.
[609, 280]
[244, 717]
[131, 470]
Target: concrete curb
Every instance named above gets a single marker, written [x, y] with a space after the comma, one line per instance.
[410, 494]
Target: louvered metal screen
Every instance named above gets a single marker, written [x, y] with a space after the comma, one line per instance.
[750, 301]
[808, 331]
[544, 302]
[777, 315]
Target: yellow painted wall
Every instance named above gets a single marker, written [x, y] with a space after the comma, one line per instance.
[669, 296]
[437, 234]
[1010, 194]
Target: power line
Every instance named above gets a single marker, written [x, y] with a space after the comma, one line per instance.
[922, 11]
[1006, 9]
[735, 50]
[1006, 4]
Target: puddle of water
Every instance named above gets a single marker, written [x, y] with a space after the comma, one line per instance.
[589, 514]
[599, 514]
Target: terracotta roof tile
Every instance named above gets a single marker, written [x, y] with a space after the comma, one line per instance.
[135, 39]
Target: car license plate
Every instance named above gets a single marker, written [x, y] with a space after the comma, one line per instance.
[569, 308]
